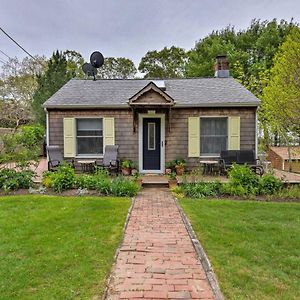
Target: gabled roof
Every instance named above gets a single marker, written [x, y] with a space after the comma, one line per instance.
[283, 152]
[140, 98]
[194, 92]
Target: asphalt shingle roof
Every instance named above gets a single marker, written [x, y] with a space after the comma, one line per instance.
[185, 92]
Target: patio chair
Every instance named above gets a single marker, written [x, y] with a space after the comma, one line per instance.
[55, 157]
[110, 160]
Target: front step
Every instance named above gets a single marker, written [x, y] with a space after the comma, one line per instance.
[155, 181]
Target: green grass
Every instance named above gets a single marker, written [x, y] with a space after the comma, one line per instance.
[254, 247]
[58, 247]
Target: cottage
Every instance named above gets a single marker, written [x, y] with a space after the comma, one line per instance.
[153, 121]
[279, 158]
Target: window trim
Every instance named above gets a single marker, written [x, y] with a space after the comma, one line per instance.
[86, 155]
[209, 155]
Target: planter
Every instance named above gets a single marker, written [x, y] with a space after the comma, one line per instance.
[126, 171]
[179, 170]
[172, 183]
[168, 170]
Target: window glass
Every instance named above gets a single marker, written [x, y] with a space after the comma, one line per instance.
[151, 136]
[89, 136]
[213, 135]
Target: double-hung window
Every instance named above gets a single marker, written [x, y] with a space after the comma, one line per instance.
[89, 136]
[213, 136]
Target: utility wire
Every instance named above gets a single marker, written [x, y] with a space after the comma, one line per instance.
[5, 54]
[17, 43]
[2, 61]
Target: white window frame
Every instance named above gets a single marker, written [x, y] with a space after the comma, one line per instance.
[95, 155]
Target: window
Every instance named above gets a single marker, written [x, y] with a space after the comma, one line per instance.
[151, 136]
[89, 136]
[213, 136]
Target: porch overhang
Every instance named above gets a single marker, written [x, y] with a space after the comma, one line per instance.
[151, 97]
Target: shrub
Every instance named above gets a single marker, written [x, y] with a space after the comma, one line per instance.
[62, 179]
[103, 185]
[242, 181]
[84, 181]
[124, 187]
[269, 185]
[201, 189]
[10, 179]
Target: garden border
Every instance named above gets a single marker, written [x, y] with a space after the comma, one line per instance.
[109, 279]
[208, 269]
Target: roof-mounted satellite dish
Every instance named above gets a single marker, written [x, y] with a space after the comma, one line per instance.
[89, 70]
[96, 59]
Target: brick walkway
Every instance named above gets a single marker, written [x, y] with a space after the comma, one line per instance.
[157, 259]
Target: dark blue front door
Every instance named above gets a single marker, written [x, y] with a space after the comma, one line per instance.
[151, 143]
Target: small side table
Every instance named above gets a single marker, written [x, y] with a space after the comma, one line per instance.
[208, 166]
[87, 166]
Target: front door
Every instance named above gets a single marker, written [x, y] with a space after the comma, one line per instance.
[151, 144]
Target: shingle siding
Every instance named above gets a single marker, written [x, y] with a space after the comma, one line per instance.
[176, 139]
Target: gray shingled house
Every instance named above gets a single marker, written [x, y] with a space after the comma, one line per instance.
[153, 121]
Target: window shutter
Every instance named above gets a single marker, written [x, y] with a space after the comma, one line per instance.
[193, 137]
[69, 137]
[109, 131]
[234, 133]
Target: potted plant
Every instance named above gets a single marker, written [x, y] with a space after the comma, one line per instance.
[172, 180]
[126, 167]
[137, 178]
[179, 166]
[133, 168]
[169, 166]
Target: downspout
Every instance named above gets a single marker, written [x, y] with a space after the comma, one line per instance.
[47, 130]
[256, 134]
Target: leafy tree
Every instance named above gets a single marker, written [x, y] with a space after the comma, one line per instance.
[117, 68]
[56, 75]
[18, 79]
[74, 63]
[282, 95]
[167, 63]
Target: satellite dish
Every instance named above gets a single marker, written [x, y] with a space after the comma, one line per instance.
[96, 59]
[89, 70]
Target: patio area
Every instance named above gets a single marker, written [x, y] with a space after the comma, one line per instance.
[155, 179]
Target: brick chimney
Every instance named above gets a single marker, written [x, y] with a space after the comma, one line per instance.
[222, 66]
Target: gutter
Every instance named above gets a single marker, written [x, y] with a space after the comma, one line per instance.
[207, 105]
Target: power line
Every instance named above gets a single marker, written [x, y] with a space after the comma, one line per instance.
[16, 43]
[5, 54]
[2, 61]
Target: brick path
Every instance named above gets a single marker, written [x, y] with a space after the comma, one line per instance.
[157, 259]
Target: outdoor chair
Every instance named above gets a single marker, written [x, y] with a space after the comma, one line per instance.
[240, 157]
[110, 160]
[55, 157]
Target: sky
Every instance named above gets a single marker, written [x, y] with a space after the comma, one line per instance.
[126, 28]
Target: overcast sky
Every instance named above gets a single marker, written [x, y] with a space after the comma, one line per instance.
[126, 28]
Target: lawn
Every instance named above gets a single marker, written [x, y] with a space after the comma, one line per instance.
[58, 247]
[254, 247]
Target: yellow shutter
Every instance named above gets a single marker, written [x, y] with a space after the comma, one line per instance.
[234, 133]
[193, 137]
[69, 137]
[109, 131]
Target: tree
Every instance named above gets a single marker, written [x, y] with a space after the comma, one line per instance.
[53, 79]
[18, 78]
[282, 94]
[117, 68]
[74, 63]
[167, 63]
